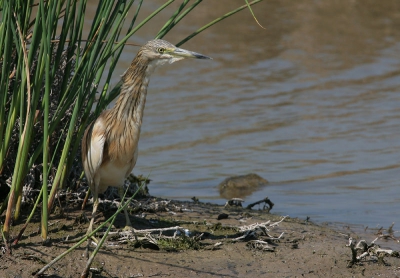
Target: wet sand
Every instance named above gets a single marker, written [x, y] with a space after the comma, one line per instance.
[304, 250]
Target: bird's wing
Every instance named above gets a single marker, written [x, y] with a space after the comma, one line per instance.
[93, 148]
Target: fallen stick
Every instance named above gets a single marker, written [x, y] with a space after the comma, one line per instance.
[266, 200]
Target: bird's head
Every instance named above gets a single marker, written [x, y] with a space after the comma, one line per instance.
[164, 52]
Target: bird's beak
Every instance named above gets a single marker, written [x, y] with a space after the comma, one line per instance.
[179, 52]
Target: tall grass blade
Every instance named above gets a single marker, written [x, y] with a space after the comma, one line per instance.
[198, 31]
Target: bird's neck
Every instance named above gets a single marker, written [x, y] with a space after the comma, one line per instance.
[132, 99]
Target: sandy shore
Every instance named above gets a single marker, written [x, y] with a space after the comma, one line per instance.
[302, 250]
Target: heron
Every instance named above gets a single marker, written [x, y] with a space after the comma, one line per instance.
[110, 143]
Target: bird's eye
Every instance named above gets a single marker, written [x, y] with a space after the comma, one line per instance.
[161, 50]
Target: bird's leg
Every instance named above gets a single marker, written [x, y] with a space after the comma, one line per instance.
[128, 224]
[86, 198]
[90, 229]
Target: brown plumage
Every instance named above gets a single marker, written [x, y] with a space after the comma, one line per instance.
[110, 143]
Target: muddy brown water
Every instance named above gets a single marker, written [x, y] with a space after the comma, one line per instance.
[311, 104]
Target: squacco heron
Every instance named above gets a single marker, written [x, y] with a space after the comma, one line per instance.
[110, 143]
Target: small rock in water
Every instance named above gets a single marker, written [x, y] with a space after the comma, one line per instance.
[240, 186]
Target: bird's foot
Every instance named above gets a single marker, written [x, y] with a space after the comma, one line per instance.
[94, 239]
[129, 228]
[91, 240]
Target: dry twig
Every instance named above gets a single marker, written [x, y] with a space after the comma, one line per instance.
[266, 202]
[372, 250]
